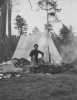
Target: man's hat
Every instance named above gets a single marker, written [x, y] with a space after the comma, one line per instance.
[35, 45]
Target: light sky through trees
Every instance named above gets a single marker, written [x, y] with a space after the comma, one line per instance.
[36, 17]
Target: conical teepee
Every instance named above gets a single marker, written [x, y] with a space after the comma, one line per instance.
[46, 45]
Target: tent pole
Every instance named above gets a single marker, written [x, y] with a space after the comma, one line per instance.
[30, 3]
[48, 34]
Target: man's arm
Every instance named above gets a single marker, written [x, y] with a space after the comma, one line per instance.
[41, 52]
[31, 53]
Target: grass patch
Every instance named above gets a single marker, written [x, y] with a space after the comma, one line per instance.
[39, 87]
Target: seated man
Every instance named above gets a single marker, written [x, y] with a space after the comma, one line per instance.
[34, 54]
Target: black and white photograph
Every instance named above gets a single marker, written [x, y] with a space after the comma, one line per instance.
[38, 49]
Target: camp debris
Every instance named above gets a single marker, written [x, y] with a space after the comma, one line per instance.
[9, 70]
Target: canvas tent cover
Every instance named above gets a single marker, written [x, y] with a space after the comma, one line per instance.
[46, 45]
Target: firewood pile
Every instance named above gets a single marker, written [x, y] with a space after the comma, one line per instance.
[28, 68]
[42, 68]
[53, 69]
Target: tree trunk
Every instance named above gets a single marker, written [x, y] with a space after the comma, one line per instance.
[9, 18]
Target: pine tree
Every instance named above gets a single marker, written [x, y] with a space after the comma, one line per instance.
[64, 32]
[21, 25]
